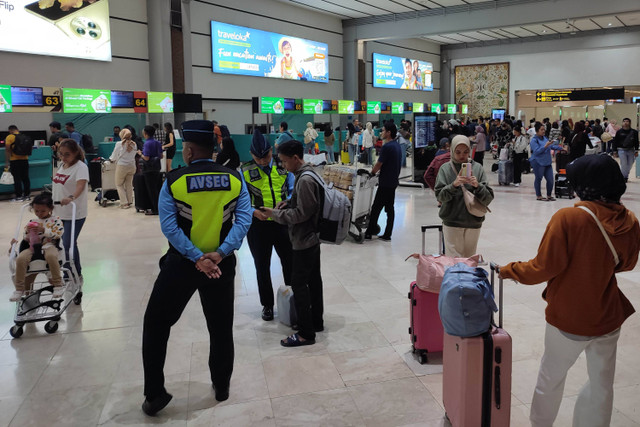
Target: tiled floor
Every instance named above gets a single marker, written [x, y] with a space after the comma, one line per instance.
[360, 373]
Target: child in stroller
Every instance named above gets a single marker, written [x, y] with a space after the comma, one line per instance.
[41, 239]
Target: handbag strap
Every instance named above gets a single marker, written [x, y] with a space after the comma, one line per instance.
[604, 233]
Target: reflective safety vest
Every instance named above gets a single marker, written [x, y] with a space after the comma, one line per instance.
[206, 195]
[265, 189]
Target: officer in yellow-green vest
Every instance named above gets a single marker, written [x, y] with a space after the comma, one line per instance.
[269, 185]
[205, 212]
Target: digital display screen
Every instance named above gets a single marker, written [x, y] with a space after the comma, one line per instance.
[451, 108]
[86, 100]
[26, 96]
[374, 107]
[385, 107]
[312, 106]
[292, 105]
[408, 107]
[120, 99]
[6, 105]
[436, 108]
[465, 109]
[251, 52]
[425, 130]
[397, 108]
[345, 107]
[272, 105]
[72, 29]
[498, 113]
[160, 102]
[326, 106]
[418, 107]
[359, 106]
[394, 72]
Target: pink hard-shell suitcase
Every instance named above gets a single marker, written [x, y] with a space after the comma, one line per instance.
[476, 377]
[426, 328]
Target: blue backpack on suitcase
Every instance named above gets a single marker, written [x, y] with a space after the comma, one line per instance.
[466, 301]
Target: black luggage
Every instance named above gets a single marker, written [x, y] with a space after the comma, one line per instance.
[505, 172]
[562, 160]
[140, 193]
[564, 189]
[95, 173]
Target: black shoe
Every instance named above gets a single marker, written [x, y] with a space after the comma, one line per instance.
[367, 236]
[156, 405]
[385, 238]
[267, 313]
[222, 393]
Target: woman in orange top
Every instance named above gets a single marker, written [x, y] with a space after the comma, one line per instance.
[585, 307]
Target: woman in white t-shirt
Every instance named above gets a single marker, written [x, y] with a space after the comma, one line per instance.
[124, 156]
[70, 185]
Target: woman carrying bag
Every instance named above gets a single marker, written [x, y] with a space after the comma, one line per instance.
[520, 146]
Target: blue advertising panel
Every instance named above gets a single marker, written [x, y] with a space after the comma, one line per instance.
[394, 72]
[250, 52]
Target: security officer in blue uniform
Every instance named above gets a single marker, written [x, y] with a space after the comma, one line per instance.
[205, 212]
[269, 185]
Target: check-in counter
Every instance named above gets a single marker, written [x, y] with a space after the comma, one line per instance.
[40, 168]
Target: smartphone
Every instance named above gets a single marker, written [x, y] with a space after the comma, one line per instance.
[463, 169]
[469, 170]
[88, 23]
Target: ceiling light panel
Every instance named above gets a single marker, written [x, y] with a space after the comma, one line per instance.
[630, 18]
[539, 29]
[520, 32]
[585, 25]
[604, 21]
[559, 26]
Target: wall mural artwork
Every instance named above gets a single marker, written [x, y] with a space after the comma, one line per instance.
[483, 87]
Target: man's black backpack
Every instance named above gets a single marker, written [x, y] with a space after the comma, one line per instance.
[87, 143]
[23, 145]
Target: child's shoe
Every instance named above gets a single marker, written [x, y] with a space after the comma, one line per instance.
[16, 296]
[58, 291]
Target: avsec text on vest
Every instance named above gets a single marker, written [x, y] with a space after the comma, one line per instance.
[217, 182]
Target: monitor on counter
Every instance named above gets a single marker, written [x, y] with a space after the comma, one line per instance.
[26, 96]
[122, 99]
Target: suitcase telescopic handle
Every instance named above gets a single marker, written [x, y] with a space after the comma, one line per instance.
[441, 237]
[495, 268]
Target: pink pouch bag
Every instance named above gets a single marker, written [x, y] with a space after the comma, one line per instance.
[431, 269]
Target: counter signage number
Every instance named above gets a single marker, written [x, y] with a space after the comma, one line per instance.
[140, 102]
[51, 100]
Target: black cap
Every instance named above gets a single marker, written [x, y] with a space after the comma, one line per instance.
[259, 145]
[199, 132]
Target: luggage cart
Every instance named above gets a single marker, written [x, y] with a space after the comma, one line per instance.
[363, 195]
[107, 191]
[39, 305]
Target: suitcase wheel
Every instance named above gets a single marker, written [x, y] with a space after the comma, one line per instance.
[422, 358]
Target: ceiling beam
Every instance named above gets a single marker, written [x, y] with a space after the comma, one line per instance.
[478, 16]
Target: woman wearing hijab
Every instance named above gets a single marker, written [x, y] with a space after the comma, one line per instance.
[541, 161]
[228, 155]
[461, 229]
[579, 141]
[310, 135]
[124, 156]
[481, 144]
[578, 258]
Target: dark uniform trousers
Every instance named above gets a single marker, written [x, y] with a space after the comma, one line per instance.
[262, 237]
[306, 282]
[174, 287]
[385, 198]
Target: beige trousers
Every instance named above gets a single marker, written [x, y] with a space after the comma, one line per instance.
[460, 242]
[22, 263]
[124, 183]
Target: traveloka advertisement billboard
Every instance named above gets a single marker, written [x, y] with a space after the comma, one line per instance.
[251, 52]
[394, 72]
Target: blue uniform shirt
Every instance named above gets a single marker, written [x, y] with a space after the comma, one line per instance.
[168, 211]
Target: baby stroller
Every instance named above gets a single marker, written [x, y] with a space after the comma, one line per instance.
[38, 304]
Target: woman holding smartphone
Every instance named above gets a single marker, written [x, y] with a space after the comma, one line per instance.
[461, 229]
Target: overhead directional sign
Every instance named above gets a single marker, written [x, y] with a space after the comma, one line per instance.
[579, 95]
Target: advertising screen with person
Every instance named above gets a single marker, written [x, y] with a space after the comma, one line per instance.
[394, 72]
[68, 28]
[86, 100]
[251, 52]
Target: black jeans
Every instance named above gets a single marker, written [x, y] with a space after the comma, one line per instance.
[262, 237]
[153, 182]
[21, 182]
[518, 159]
[385, 198]
[176, 283]
[306, 282]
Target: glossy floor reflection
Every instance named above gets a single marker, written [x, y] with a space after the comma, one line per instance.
[360, 373]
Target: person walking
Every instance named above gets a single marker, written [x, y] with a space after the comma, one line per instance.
[302, 214]
[205, 212]
[625, 143]
[520, 146]
[269, 185]
[169, 146]
[124, 156]
[541, 162]
[389, 165]
[579, 141]
[367, 142]
[585, 307]
[17, 162]
[461, 229]
[481, 144]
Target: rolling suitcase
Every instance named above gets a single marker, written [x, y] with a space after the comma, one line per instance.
[95, 173]
[141, 197]
[562, 160]
[505, 172]
[426, 329]
[563, 187]
[476, 378]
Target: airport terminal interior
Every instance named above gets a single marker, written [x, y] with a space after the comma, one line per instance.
[172, 61]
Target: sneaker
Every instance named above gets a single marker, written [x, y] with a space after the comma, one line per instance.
[17, 199]
[16, 296]
[26, 198]
[58, 291]
[385, 238]
[516, 185]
